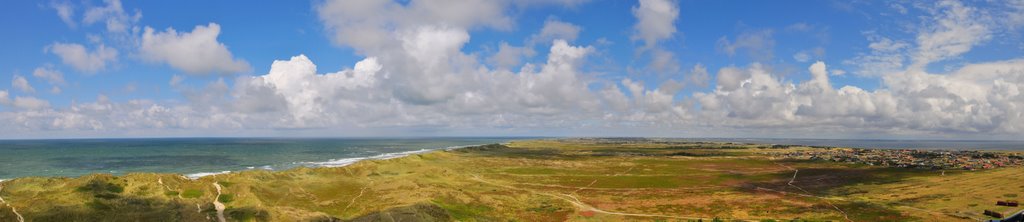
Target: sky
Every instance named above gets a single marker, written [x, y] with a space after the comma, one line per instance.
[423, 68]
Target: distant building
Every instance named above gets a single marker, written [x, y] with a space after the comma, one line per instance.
[993, 214]
[1016, 217]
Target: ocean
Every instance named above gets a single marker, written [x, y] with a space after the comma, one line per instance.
[196, 157]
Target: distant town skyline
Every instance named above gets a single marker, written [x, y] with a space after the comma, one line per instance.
[419, 68]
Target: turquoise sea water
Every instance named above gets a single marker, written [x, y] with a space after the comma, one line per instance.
[200, 156]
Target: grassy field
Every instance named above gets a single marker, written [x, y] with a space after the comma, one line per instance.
[537, 180]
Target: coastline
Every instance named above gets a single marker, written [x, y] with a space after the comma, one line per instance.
[79, 157]
[341, 162]
[333, 163]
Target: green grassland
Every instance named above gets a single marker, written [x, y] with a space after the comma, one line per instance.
[536, 180]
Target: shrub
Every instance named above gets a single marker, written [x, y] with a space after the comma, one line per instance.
[248, 214]
[226, 198]
[192, 193]
[99, 186]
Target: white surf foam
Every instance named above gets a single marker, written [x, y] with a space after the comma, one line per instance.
[266, 167]
[341, 162]
[203, 174]
[460, 147]
[349, 161]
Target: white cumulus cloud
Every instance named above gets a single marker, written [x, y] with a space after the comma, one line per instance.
[555, 29]
[655, 20]
[509, 56]
[113, 15]
[82, 59]
[19, 82]
[65, 11]
[5, 98]
[196, 52]
[656, 23]
[758, 44]
[955, 30]
[976, 98]
[54, 77]
[29, 103]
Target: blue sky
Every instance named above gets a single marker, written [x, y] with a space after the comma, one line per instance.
[668, 76]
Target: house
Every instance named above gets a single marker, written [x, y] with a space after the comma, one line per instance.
[1008, 203]
[993, 214]
[1016, 217]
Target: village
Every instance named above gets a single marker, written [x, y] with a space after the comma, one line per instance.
[908, 158]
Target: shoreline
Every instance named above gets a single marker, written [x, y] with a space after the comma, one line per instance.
[341, 162]
[332, 163]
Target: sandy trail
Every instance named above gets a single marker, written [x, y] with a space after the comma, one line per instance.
[218, 205]
[166, 188]
[2, 201]
[595, 180]
[353, 201]
[585, 187]
[361, 192]
[583, 206]
[161, 182]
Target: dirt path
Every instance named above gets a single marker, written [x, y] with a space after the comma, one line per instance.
[585, 187]
[595, 180]
[166, 188]
[791, 180]
[218, 205]
[161, 182]
[361, 192]
[583, 206]
[2, 201]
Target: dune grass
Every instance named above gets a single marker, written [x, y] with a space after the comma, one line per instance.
[537, 180]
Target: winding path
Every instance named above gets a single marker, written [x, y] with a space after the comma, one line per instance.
[218, 205]
[2, 201]
[353, 201]
[167, 188]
